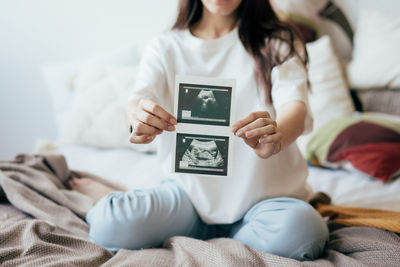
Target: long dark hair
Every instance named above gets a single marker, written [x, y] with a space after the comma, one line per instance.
[259, 28]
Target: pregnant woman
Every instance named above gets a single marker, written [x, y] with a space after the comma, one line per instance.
[263, 203]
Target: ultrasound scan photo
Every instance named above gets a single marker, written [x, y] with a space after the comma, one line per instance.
[203, 140]
[204, 104]
[201, 154]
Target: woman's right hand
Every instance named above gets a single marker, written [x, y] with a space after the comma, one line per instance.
[147, 120]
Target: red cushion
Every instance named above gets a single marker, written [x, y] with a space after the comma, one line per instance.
[380, 160]
[359, 134]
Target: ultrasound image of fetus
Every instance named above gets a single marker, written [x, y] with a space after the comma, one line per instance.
[205, 103]
[204, 154]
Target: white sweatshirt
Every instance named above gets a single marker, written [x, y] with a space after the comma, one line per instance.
[224, 200]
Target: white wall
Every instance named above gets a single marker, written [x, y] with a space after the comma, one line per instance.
[34, 32]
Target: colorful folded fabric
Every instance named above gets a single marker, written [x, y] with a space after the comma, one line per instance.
[366, 143]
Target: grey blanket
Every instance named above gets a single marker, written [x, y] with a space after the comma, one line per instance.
[42, 224]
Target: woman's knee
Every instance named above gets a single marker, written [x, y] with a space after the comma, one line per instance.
[113, 226]
[309, 230]
[285, 226]
[141, 218]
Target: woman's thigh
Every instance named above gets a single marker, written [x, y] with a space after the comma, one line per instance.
[283, 226]
[144, 218]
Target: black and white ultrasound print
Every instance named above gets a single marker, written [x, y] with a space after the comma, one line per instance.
[202, 154]
[203, 107]
[204, 104]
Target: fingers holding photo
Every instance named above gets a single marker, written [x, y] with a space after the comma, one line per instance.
[153, 121]
[259, 127]
[147, 120]
[260, 132]
[141, 139]
[140, 128]
[255, 124]
[156, 110]
[248, 119]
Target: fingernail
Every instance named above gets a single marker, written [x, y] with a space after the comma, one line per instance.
[249, 134]
[239, 133]
[234, 128]
[172, 121]
[171, 128]
[149, 137]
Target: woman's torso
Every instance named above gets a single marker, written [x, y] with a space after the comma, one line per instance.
[226, 199]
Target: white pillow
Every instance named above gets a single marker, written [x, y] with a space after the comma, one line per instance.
[58, 79]
[96, 116]
[329, 97]
[58, 76]
[376, 57]
[89, 97]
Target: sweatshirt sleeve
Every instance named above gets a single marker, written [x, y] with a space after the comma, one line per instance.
[151, 76]
[289, 83]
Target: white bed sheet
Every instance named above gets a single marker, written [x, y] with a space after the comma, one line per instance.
[138, 170]
[131, 168]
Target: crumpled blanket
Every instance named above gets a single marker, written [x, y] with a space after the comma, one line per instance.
[42, 224]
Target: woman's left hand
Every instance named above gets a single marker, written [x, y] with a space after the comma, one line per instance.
[260, 132]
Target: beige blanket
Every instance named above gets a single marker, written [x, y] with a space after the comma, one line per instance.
[42, 224]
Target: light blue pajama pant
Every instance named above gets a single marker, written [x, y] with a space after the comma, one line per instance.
[146, 218]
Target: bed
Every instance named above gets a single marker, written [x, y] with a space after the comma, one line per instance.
[42, 222]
